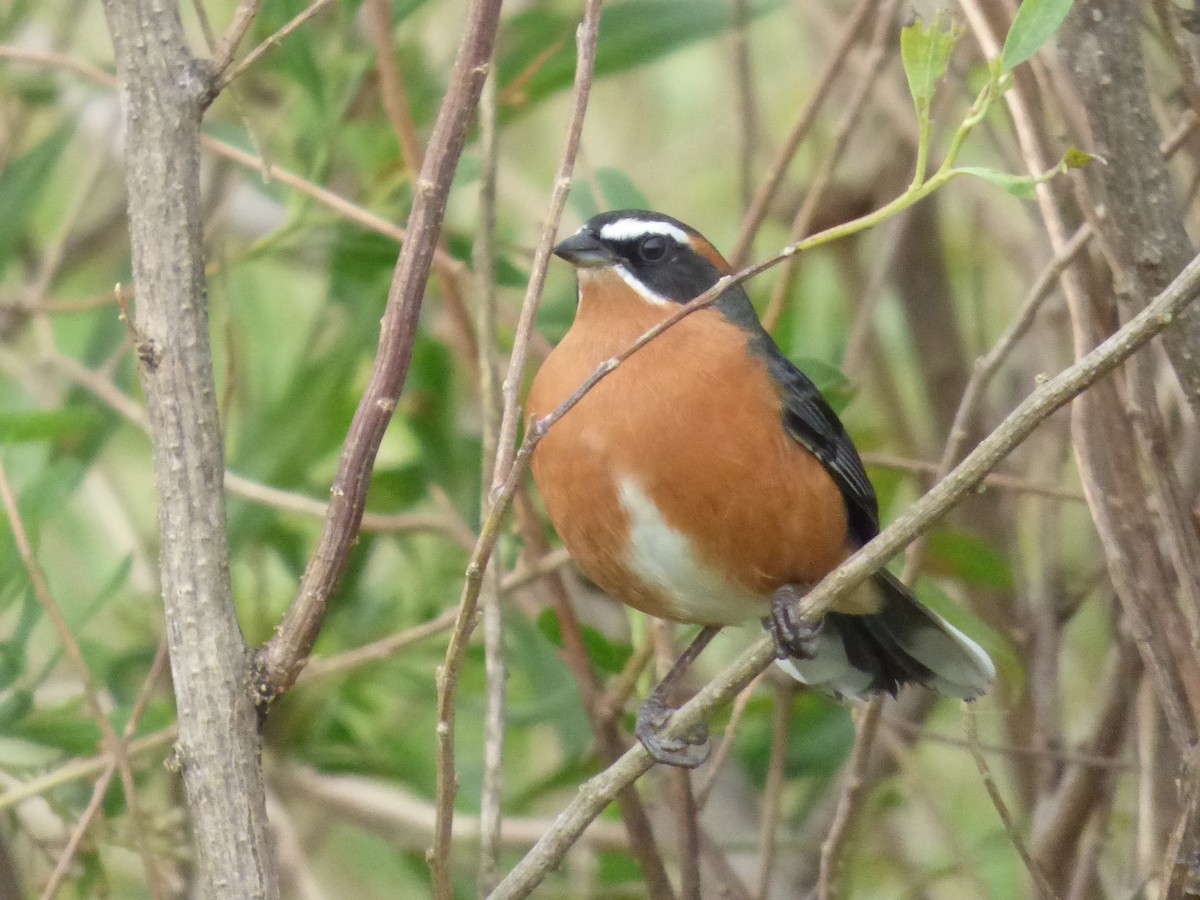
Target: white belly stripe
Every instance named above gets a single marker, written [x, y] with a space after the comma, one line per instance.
[663, 558]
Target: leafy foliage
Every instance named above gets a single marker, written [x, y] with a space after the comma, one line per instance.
[297, 286]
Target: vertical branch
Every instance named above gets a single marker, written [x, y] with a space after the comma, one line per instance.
[585, 64]
[163, 93]
[843, 819]
[490, 810]
[394, 95]
[602, 708]
[505, 473]
[781, 732]
[747, 113]
[1102, 441]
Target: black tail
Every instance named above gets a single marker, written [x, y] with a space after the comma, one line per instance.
[902, 643]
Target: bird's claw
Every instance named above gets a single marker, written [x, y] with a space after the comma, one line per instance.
[686, 751]
[795, 637]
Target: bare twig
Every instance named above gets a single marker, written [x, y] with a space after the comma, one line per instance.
[602, 708]
[283, 657]
[507, 472]
[721, 754]
[1135, 566]
[111, 740]
[766, 192]
[490, 806]
[118, 757]
[1035, 872]
[781, 733]
[1049, 396]
[1065, 812]
[843, 819]
[225, 56]
[399, 113]
[999, 480]
[746, 109]
[243, 18]
[408, 820]
[876, 56]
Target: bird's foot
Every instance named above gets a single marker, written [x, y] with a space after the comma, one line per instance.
[687, 751]
[795, 637]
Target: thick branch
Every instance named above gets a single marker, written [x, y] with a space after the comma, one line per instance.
[163, 92]
[1143, 223]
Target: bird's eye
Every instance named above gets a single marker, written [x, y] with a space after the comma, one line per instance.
[652, 248]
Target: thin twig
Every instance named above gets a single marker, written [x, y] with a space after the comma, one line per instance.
[721, 754]
[746, 108]
[484, 257]
[601, 708]
[228, 76]
[876, 55]
[243, 18]
[1064, 757]
[507, 472]
[100, 789]
[394, 95]
[781, 733]
[843, 819]
[882, 460]
[1014, 835]
[1109, 479]
[766, 192]
[407, 820]
[111, 740]
[106, 389]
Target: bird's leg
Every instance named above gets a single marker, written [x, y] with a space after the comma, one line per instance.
[692, 748]
[794, 636]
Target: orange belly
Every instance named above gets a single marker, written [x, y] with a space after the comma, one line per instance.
[673, 482]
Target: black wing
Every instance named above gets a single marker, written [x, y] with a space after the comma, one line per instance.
[810, 420]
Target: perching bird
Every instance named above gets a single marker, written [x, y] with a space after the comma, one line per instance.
[707, 481]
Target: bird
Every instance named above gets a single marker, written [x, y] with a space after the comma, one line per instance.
[705, 480]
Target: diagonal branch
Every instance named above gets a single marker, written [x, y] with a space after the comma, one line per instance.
[281, 660]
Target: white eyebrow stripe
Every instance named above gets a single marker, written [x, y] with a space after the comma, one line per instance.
[623, 229]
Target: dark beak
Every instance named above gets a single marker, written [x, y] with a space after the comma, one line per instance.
[585, 251]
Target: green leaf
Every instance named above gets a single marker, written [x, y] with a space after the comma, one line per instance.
[607, 189]
[925, 51]
[45, 425]
[14, 658]
[618, 190]
[537, 47]
[21, 185]
[1075, 158]
[582, 199]
[1018, 185]
[969, 558]
[1035, 22]
[835, 387]
[607, 655]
